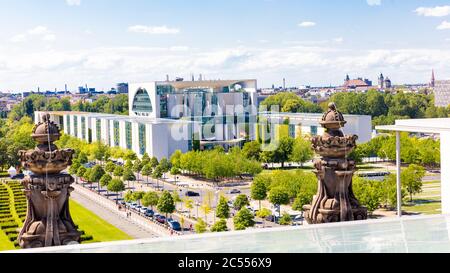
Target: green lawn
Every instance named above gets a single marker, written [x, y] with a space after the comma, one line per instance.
[428, 201]
[5, 243]
[101, 230]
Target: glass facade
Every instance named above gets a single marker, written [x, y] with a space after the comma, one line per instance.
[83, 127]
[128, 135]
[116, 133]
[142, 105]
[61, 122]
[142, 139]
[75, 125]
[98, 126]
[68, 125]
[292, 130]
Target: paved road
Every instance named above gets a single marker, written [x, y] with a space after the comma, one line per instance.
[125, 225]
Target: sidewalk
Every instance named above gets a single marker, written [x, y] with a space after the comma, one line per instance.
[111, 206]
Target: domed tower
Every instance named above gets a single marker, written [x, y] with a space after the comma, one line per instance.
[334, 201]
[48, 221]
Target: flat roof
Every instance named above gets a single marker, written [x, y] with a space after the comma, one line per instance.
[415, 234]
[143, 120]
[431, 125]
[204, 84]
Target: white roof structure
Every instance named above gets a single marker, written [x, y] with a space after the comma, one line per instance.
[439, 126]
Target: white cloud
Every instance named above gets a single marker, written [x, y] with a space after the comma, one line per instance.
[153, 29]
[39, 32]
[338, 40]
[73, 2]
[319, 64]
[373, 2]
[439, 11]
[306, 24]
[444, 25]
[18, 38]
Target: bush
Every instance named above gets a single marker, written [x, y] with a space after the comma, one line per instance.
[220, 226]
[285, 220]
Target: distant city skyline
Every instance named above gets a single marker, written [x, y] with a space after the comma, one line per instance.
[104, 42]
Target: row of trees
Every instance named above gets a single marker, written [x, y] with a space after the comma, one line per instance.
[373, 194]
[286, 149]
[215, 164]
[385, 108]
[413, 150]
[117, 104]
[289, 102]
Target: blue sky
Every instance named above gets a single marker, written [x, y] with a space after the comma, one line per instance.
[100, 42]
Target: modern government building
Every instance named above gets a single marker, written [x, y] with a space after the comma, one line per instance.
[167, 116]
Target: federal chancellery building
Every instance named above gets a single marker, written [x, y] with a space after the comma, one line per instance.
[166, 116]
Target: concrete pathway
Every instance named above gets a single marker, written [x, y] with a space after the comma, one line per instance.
[125, 225]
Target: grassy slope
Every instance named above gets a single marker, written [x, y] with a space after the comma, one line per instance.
[101, 230]
[5, 243]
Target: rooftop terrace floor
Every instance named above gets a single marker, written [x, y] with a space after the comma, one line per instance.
[416, 234]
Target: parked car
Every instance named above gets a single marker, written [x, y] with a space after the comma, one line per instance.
[174, 225]
[234, 191]
[133, 205]
[160, 218]
[149, 213]
[143, 210]
[192, 193]
[138, 208]
[123, 203]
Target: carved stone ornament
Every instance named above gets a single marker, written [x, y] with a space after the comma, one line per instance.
[48, 221]
[335, 200]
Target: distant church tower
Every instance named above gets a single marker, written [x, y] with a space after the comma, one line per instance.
[381, 81]
[433, 80]
[347, 78]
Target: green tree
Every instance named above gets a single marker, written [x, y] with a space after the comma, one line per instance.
[151, 199]
[189, 204]
[118, 171]
[129, 197]
[128, 176]
[138, 195]
[145, 159]
[284, 150]
[252, 150]
[165, 203]
[96, 174]
[200, 226]
[137, 166]
[81, 171]
[116, 185]
[412, 179]
[302, 151]
[105, 180]
[278, 196]
[154, 162]
[259, 190]
[110, 167]
[222, 209]
[220, 226]
[241, 201]
[176, 198]
[147, 170]
[175, 159]
[243, 219]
